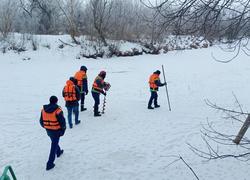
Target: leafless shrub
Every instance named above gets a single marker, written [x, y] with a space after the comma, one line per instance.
[220, 145]
[34, 43]
[4, 49]
[177, 159]
[8, 10]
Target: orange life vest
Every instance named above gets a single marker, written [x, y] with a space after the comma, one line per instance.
[50, 121]
[95, 85]
[152, 79]
[69, 91]
[79, 76]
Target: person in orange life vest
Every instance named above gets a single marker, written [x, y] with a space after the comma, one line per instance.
[154, 83]
[53, 121]
[97, 88]
[71, 95]
[82, 84]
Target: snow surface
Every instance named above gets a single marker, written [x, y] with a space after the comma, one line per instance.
[129, 142]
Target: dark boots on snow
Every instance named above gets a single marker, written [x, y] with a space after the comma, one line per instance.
[157, 106]
[96, 114]
[78, 122]
[50, 166]
[82, 108]
[60, 153]
[150, 107]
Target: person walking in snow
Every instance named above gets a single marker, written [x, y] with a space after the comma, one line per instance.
[53, 121]
[154, 84]
[82, 83]
[71, 95]
[98, 87]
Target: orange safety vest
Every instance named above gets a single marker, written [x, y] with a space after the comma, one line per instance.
[152, 79]
[69, 91]
[79, 76]
[50, 121]
[95, 85]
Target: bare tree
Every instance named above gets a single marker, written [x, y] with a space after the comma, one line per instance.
[101, 10]
[213, 19]
[45, 12]
[8, 10]
[69, 10]
[219, 144]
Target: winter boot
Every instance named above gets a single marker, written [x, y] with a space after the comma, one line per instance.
[97, 114]
[82, 108]
[60, 153]
[96, 111]
[150, 107]
[50, 166]
[78, 122]
[157, 106]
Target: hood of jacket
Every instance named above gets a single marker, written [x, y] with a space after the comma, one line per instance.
[50, 108]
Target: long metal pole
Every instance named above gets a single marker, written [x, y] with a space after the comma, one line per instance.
[169, 107]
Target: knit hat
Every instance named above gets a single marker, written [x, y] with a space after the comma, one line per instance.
[83, 68]
[157, 72]
[102, 74]
[53, 100]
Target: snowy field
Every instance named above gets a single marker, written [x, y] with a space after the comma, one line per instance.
[129, 142]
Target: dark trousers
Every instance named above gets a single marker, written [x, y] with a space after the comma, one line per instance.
[82, 96]
[82, 99]
[73, 109]
[55, 148]
[96, 97]
[153, 97]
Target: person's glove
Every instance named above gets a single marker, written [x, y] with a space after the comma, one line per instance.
[104, 93]
[86, 92]
[165, 83]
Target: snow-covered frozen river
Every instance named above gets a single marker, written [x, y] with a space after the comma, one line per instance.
[129, 142]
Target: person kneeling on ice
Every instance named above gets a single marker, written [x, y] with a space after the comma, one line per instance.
[53, 121]
[154, 84]
[71, 94]
[98, 86]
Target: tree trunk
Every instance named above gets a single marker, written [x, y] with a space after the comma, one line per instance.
[242, 131]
